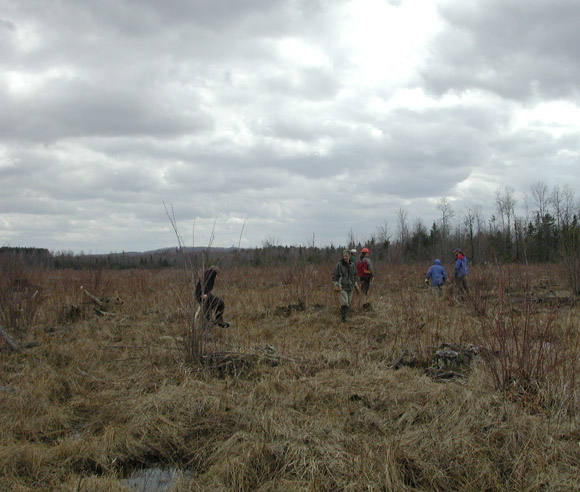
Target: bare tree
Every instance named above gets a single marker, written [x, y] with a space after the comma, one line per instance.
[447, 213]
[540, 197]
[351, 240]
[505, 203]
[568, 205]
[562, 201]
[403, 229]
[527, 204]
[403, 224]
[470, 224]
[383, 233]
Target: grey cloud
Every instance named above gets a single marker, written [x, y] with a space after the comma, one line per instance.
[206, 106]
[518, 50]
[77, 109]
[6, 24]
[310, 84]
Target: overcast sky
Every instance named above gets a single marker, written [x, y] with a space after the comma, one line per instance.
[280, 121]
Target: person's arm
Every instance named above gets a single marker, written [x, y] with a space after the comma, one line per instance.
[336, 275]
[209, 281]
[371, 267]
[355, 279]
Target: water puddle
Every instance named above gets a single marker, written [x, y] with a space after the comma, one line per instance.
[152, 479]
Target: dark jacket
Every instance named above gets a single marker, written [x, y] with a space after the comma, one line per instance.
[205, 284]
[344, 275]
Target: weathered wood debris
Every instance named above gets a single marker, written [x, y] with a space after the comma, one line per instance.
[451, 361]
[101, 306]
[236, 363]
[448, 361]
[290, 308]
[13, 344]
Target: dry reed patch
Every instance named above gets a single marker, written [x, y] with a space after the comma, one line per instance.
[23, 466]
[331, 415]
[437, 438]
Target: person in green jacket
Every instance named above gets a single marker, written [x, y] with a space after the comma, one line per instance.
[344, 279]
[353, 256]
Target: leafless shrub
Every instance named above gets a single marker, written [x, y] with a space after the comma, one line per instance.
[196, 321]
[20, 295]
[570, 253]
[516, 349]
[571, 271]
[523, 350]
[300, 281]
[481, 290]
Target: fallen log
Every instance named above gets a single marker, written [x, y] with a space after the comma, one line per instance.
[9, 340]
[399, 360]
[94, 298]
[104, 313]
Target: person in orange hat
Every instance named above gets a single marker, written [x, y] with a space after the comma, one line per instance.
[365, 271]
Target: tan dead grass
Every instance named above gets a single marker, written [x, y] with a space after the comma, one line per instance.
[103, 394]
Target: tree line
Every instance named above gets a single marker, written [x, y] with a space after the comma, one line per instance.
[544, 227]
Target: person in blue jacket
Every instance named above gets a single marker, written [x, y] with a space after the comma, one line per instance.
[461, 269]
[436, 275]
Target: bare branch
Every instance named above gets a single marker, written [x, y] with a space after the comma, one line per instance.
[241, 233]
[9, 340]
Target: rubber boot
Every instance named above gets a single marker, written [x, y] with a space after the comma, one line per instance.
[343, 311]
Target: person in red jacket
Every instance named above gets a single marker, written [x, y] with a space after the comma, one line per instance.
[365, 270]
[461, 269]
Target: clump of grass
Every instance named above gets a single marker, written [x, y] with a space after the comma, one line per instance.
[20, 296]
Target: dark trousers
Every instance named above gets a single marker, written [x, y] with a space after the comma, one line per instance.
[461, 285]
[365, 283]
[213, 304]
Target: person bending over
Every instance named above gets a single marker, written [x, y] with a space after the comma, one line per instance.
[210, 304]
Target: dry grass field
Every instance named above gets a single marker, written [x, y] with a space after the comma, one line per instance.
[288, 398]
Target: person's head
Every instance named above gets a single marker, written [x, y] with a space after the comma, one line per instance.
[353, 252]
[346, 255]
[457, 252]
[437, 262]
[364, 252]
[215, 268]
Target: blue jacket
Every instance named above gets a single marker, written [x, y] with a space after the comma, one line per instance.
[437, 274]
[460, 266]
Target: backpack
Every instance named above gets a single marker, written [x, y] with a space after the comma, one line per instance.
[361, 268]
[462, 268]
